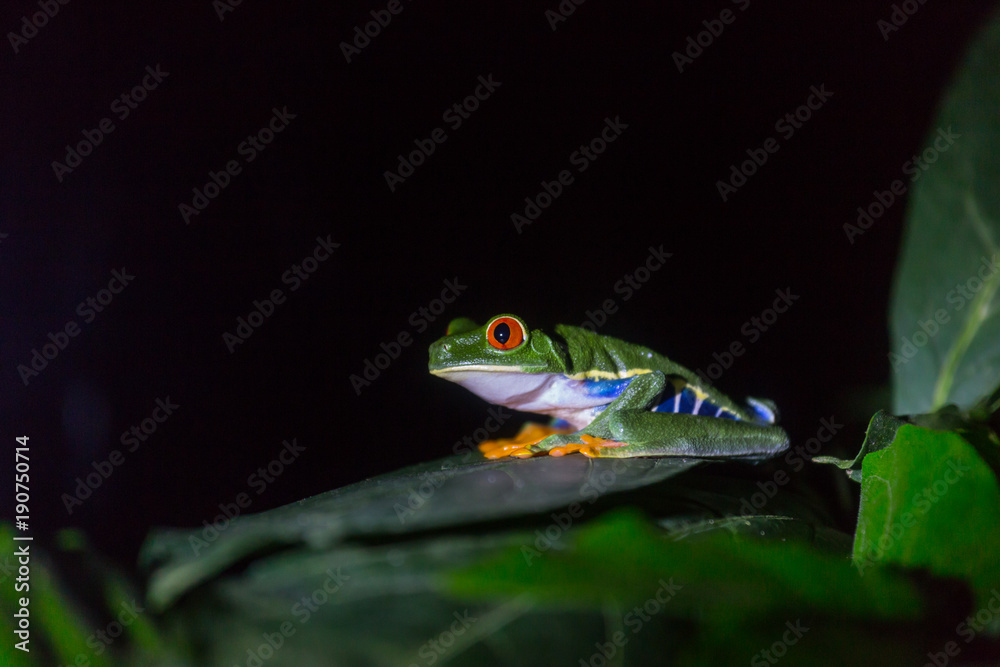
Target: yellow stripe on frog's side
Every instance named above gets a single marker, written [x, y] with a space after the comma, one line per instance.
[679, 383]
[608, 375]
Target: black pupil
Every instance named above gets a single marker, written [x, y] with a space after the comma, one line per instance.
[502, 333]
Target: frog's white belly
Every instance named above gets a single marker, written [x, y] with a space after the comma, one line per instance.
[551, 394]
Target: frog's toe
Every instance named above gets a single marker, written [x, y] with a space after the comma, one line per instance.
[530, 434]
[592, 446]
[495, 449]
[522, 453]
[516, 450]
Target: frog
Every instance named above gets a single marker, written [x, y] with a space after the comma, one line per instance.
[606, 398]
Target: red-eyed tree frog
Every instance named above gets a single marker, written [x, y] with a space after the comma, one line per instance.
[607, 398]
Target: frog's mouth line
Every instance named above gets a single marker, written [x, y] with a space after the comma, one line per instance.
[485, 368]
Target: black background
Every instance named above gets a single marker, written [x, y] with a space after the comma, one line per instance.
[324, 175]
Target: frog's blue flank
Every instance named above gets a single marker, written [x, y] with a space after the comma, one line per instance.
[678, 398]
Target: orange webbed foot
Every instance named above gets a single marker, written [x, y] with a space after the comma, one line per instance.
[530, 434]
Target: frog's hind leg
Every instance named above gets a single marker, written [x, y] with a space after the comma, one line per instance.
[642, 433]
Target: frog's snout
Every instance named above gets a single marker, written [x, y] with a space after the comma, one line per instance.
[439, 352]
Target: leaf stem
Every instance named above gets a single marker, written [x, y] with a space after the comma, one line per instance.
[978, 312]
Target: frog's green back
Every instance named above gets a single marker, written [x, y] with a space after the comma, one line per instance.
[599, 357]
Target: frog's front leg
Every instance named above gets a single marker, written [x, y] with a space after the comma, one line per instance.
[530, 434]
[638, 396]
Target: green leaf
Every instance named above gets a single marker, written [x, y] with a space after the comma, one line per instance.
[341, 576]
[438, 494]
[57, 622]
[945, 335]
[881, 431]
[930, 501]
[621, 560]
[393, 602]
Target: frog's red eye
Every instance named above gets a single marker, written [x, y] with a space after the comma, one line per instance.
[505, 333]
